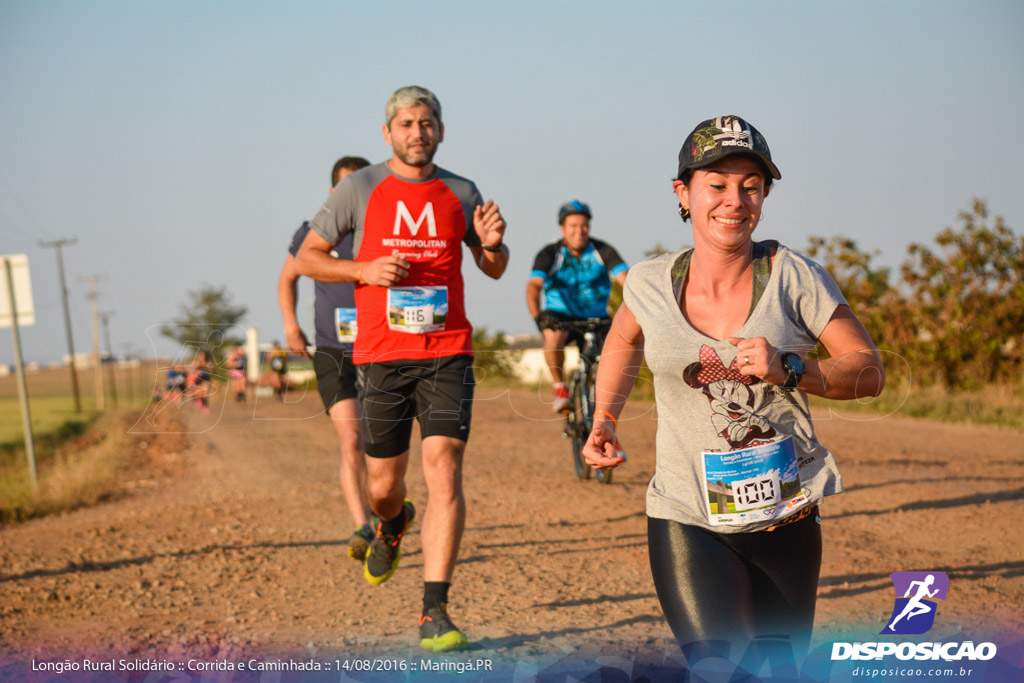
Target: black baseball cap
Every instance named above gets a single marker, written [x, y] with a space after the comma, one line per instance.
[720, 137]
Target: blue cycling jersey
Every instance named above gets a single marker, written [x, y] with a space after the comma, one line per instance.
[578, 287]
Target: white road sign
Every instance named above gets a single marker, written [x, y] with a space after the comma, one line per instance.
[22, 291]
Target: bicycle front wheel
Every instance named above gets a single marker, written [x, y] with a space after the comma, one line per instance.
[581, 418]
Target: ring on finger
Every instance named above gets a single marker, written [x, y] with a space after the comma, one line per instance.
[746, 360]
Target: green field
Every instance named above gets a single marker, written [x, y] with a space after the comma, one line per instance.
[52, 404]
[82, 476]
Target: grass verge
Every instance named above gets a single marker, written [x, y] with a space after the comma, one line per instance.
[82, 472]
[995, 404]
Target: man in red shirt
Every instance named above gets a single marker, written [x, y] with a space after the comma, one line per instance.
[413, 348]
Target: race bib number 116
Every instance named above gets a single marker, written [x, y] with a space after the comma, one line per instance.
[417, 309]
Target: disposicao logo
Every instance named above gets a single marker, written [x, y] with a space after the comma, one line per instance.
[916, 602]
[917, 594]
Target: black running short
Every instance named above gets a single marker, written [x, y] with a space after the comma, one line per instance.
[732, 588]
[576, 337]
[438, 393]
[335, 375]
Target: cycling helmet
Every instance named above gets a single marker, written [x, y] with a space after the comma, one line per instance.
[569, 208]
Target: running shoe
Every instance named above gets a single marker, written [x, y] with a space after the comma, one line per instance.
[382, 558]
[359, 542]
[561, 403]
[438, 633]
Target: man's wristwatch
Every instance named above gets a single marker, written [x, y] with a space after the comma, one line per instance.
[794, 367]
[496, 247]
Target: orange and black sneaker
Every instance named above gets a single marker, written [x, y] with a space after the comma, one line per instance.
[438, 633]
[382, 558]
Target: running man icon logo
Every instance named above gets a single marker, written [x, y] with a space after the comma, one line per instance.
[916, 596]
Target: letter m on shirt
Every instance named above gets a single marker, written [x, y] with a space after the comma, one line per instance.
[402, 214]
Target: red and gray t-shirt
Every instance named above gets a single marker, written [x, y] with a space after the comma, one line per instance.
[426, 222]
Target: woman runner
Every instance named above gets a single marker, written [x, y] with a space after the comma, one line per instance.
[734, 533]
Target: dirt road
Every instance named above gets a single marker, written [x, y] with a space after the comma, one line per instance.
[229, 539]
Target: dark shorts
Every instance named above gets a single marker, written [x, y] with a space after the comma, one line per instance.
[438, 393]
[335, 375]
[577, 337]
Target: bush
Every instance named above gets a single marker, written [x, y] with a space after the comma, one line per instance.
[492, 357]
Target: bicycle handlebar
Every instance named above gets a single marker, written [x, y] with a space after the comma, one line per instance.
[581, 326]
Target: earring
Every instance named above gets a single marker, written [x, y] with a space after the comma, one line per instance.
[683, 213]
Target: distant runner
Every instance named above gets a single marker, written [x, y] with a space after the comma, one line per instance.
[277, 359]
[236, 363]
[200, 380]
[409, 219]
[334, 321]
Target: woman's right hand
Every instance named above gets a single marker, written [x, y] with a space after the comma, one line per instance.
[599, 451]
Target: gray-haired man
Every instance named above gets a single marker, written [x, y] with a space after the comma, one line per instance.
[409, 219]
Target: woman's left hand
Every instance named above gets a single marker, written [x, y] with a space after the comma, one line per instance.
[757, 358]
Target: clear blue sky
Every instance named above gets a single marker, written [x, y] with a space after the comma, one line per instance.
[184, 142]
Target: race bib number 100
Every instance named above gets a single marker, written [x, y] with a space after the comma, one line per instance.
[753, 484]
[417, 309]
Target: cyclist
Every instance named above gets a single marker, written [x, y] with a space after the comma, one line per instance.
[409, 219]
[575, 275]
[333, 302]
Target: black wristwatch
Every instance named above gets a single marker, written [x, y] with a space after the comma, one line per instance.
[794, 367]
[494, 248]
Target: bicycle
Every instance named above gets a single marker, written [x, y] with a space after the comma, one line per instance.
[579, 419]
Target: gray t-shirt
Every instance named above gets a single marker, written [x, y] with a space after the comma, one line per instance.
[715, 425]
[328, 297]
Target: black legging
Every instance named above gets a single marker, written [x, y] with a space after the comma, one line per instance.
[734, 588]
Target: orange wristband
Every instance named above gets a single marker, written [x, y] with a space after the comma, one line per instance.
[361, 266]
[615, 423]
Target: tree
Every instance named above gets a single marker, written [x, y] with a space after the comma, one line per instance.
[208, 321]
[875, 302]
[957, 314]
[967, 300]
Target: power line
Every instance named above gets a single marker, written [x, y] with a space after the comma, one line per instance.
[21, 205]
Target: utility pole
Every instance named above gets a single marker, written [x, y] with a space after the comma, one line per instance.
[97, 359]
[57, 244]
[105, 319]
[129, 355]
[26, 414]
